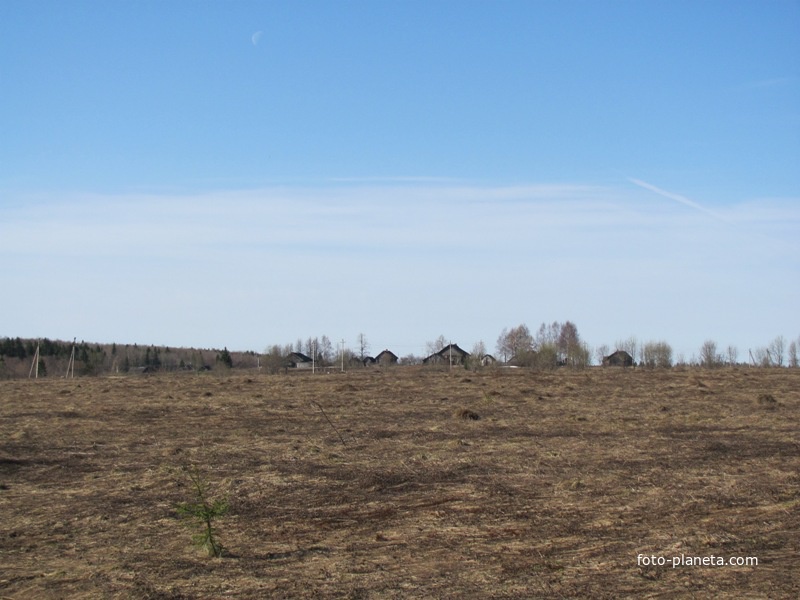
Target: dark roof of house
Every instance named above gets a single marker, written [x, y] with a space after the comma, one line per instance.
[444, 353]
[388, 353]
[617, 358]
[300, 357]
[456, 350]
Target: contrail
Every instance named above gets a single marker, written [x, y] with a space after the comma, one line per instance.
[677, 197]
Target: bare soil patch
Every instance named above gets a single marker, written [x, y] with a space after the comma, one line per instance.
[384, 484]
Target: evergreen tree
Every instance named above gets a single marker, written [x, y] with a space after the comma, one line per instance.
[225, 358]
[19, 349]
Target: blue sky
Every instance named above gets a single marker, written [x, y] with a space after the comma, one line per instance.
[247, 173]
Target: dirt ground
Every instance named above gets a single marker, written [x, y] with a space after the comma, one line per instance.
[404, 483]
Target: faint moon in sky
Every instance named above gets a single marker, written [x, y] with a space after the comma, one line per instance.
[256, 36]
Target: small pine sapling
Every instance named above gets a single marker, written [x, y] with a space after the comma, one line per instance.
[202, 513]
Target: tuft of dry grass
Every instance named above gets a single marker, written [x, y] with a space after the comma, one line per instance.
[767, 401]
[468, 415]
[381, 484]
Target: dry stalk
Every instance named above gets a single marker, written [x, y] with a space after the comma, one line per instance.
[329, 422]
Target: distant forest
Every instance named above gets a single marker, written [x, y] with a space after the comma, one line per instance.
[17, 358]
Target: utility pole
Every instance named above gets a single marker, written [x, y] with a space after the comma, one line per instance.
[342, 343]
[71, 363]
[35, 364]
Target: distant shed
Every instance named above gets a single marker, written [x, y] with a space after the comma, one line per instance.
[449, 355]
[386, 358]
[620, 358]
[298, 360]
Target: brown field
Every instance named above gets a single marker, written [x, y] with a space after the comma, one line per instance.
[552, 492]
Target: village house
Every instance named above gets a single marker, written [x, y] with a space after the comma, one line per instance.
[386, 358]
[449, 355]
[298, 360]
[620, 358]
[487, 360]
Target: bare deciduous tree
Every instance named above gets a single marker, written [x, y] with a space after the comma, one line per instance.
[325, 350]
[514, 342]
[732, 354]
[475, 358]
[547, 334]
[761, 357]
[656, 355]
[793, 354]
[363, 346]
[572, 351]
[436, 345]
[600, 353]
[410, 359]
[708, 354]
[777, 349]
[567, 337]
[274, 357]
[630, 346]
[544, 357]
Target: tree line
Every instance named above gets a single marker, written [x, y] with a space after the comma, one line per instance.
[550, 346]
[16, 356]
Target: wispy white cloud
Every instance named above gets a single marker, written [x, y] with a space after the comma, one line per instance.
[388, 259]
[767, 83]
[395, 179]
[676, 197]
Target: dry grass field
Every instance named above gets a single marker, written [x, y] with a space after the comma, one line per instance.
[404, 483]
